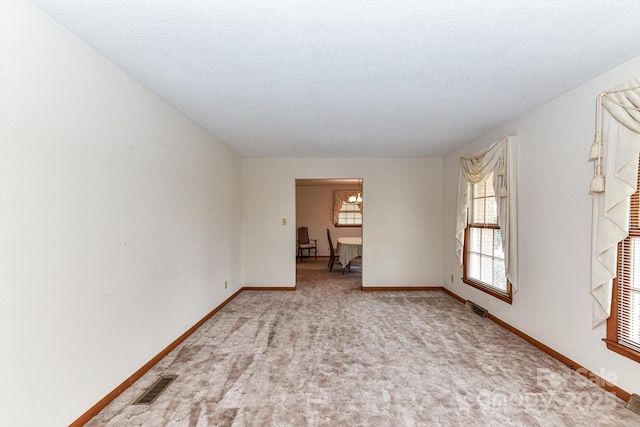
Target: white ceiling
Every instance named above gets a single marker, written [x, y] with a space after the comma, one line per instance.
[309, 78]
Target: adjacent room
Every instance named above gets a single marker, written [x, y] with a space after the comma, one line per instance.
[332, 210]
[319, 213]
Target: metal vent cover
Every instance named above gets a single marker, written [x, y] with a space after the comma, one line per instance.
[480, 311]
[154, 391]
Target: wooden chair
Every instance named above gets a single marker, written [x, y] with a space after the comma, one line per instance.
[333, 252]
[304, 243]
[333, 255]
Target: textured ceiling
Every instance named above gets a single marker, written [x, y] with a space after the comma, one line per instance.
[308, 78]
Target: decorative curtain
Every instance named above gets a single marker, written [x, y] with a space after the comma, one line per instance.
[615, 156]
[340, 196]
[500, 158]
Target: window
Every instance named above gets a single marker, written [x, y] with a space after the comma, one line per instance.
[483, 263]
[349, 214]
[623, 326]
[347, 208]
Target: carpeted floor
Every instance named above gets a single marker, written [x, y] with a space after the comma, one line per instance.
[329, 354]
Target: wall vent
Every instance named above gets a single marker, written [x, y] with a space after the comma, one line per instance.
[634, 404]
[482, 312]
[154, 391]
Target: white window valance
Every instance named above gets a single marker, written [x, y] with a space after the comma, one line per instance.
[615, 154]
[500, 158]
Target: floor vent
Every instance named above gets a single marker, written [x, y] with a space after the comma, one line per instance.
[634, 404]
[482, 312]
[154, 391]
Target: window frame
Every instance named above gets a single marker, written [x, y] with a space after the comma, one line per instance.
[612, 340]
[337, 224]
[612, 323]
[506, 296]
[340, 197]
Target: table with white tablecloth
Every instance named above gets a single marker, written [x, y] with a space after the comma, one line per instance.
[349, 248]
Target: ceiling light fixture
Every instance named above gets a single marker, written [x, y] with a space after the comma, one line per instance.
[357, 199]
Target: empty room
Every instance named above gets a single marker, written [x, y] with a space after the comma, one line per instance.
[303, 213]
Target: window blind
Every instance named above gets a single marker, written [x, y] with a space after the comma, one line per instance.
[629, 280]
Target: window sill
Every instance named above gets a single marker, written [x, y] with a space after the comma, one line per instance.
[348, 225]
[506, 298]
[622, 350]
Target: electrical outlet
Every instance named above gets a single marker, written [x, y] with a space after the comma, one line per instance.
[225, 284]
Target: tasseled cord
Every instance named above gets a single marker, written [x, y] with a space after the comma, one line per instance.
[597, 183]
[502, 172]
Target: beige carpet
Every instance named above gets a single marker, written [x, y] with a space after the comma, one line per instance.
[329, 354]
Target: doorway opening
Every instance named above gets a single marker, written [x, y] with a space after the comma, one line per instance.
[331, 210]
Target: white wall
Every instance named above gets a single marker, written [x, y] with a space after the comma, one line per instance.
[402, 236]
[314, 209]
[120, 221]
[554, 303]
